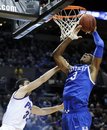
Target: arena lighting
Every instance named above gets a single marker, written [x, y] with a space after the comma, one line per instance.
[1, 24]
[100, 15]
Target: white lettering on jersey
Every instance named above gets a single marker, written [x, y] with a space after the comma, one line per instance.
[76, 68]
[28, 105]
[85, 128]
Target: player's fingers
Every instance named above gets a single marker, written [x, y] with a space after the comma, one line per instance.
[79, 36]
[88, 33]
[95, 28]
[78, 28]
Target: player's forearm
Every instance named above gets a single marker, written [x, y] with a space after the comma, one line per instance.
[47, 110]
[42, 79]
[49, 74]
[61, 48]
[99, 45]
[98, 53]
[37, 110]
[97, 39]
[50, 110]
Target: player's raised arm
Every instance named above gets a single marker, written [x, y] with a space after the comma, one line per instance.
[58, 52]
[98, 54]
[28, 87]
[42, 79]
[47, 110]
[57, 55]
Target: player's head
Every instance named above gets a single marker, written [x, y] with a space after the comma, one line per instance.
[86, 58]
[21, 83]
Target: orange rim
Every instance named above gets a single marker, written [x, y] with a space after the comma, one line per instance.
[62, 17]
[58, 16]
[74, 7]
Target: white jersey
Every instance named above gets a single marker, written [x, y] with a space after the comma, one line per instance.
[17, 113]
[7, 127]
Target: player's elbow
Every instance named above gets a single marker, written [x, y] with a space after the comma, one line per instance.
[55, 55]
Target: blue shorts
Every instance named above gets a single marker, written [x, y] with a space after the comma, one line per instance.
[79, 120]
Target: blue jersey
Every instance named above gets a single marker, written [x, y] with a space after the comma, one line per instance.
[78, 86]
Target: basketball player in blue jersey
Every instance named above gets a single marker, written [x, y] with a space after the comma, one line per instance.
[79, 83]
[20, 106]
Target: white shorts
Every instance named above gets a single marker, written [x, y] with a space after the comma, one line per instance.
[6, 127]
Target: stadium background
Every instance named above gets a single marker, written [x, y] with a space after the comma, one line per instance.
[30, 57]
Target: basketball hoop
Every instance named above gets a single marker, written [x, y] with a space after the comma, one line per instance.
[68, 18]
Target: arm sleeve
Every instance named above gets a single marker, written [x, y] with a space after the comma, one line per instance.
[99, 45]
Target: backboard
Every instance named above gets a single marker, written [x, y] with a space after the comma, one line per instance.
[30, 14]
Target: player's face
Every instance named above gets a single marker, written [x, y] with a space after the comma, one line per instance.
[26, 82]
[86, 58]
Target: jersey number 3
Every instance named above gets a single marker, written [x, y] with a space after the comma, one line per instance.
[73, 77]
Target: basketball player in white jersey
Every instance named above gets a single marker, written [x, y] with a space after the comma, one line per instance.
[20, 106]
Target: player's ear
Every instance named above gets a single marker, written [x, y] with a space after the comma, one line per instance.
[20, 86]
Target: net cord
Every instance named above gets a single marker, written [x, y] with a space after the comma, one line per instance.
[67, 24]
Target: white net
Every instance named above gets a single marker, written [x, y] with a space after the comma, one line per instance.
[67, 19]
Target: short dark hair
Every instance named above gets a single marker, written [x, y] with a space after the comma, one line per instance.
[20, 82]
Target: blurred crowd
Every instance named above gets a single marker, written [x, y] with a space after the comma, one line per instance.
[31, 52]
[24, 53]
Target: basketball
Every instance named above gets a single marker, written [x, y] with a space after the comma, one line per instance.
[88, 23]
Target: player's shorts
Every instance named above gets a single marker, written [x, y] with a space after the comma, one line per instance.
[78, 120]
[6, 127]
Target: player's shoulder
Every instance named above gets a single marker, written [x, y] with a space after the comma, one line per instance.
[19, 94]
[13, 94]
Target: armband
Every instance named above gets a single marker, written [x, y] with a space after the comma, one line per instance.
[98, 52]
[97, 39]
[99, 45]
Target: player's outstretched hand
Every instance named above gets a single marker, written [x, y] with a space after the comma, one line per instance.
[74, 32]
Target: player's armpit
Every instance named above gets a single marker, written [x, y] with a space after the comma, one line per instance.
[94, 68]
[20, 93]
[96, 62]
